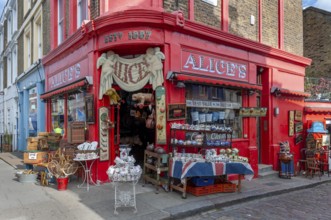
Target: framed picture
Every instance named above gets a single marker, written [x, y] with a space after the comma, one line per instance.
[291, 123]
[176, 112]
[298, 115]
[326, 140]
[89, 108]
[298, 138]
[298, 127]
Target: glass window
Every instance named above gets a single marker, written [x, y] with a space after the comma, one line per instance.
[60, 22]
[33, 122]
[58, 116]
[82, 12]
[215, 106]
[76, 107]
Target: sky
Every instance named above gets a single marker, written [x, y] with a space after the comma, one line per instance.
[2, 5]
[322, 4]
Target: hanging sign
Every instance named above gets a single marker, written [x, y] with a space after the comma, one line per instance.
[253, 112]
[291, 123]
[131, 74]
[161, 137]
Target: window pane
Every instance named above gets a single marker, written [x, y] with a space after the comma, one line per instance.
[33, 112]
[76, 107]
[214, 106]
[58, 115]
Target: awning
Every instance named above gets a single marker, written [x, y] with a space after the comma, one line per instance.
[293, 93]
[66, 89]
[286, 92]
[317, 109]
[215, 81]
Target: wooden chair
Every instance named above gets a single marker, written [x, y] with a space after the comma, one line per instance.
[324, 163]
[303, 160]
[313, 167]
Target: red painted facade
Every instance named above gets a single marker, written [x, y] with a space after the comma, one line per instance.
[249, 63]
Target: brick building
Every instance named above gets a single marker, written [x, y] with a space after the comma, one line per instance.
[211, 59]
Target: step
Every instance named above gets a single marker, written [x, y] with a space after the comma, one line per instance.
[268, 174]
[264, 168]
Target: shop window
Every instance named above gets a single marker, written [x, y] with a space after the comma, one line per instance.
[58, 116]
[214, 106]
[33, 122]
[76, 107]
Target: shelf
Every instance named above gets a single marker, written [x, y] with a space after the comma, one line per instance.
[202, 131]
[199, 146]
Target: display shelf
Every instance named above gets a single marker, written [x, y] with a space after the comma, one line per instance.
[155, 169]
[222, 139]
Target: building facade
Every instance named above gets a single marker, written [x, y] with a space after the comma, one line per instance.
[24, 41]
[9, 27]
[33, 45]
[190, 62]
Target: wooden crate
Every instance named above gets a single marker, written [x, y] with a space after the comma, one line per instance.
[76, 132]
[228, 187]
[199, 190]
[35, 157]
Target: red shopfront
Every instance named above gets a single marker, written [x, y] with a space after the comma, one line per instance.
[203, 71]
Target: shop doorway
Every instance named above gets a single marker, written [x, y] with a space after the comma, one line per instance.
[134, 128]
[258, 131]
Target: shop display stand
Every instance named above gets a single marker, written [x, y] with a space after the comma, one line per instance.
[181, 186]
[87, 170]
[154, 169]
[125, 198]
[224, 142]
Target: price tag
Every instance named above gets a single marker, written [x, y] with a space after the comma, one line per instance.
[33, 156]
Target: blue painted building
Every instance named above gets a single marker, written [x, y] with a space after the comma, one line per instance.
[30, 85]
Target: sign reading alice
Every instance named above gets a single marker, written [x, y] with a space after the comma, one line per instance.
[214, 66]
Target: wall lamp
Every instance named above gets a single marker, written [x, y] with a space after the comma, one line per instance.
[276, 111]
[172, 77]
[275, 91]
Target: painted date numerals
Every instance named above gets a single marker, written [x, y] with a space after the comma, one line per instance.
[113, 37]
[141, 35]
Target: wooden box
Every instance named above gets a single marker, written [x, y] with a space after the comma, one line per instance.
[76, 132]
[35, 157]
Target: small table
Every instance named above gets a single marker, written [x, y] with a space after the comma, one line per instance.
[87, 171]
[125, 198]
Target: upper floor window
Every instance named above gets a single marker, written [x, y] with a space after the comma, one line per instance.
[1, 41]
[9, 69]
[60, 22]
[27, 48]
[82, 12]
[9, 26]
[37, 41]
[26, 6]
[1, 77]
[14, 63]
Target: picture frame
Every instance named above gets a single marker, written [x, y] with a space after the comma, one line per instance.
[298, 127]
[89, 109]
[176, 111]
[298, 138]
[291, 123]
[298, 115]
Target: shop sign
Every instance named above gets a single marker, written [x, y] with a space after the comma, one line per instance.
[69, 75]
[253, 112]
[212, 104]
[214, 66]
[291, 123]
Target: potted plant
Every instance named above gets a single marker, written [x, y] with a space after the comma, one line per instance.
[62, 167]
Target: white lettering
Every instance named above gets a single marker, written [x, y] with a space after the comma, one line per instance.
[201, 58]
[190, 60]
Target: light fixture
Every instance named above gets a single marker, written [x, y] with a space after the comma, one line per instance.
[180, 84]
[251, 92]
[276, 111]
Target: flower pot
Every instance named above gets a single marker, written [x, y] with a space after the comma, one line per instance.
[62, 183]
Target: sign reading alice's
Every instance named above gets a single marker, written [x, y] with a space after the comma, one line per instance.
[69, 75]
[214, 66]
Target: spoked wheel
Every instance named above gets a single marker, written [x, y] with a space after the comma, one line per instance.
[53, 167]
[70, 168]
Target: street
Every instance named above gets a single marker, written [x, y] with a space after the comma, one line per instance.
[312, 203]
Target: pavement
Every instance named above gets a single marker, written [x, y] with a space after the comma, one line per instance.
[99, 201]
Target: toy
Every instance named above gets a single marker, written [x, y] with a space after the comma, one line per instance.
[114, 98]
[141, 98]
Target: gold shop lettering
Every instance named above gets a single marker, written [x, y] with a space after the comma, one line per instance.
[132, 35]
[65, 76]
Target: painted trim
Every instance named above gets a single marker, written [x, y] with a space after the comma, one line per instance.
[281, 24]
[225, 16]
